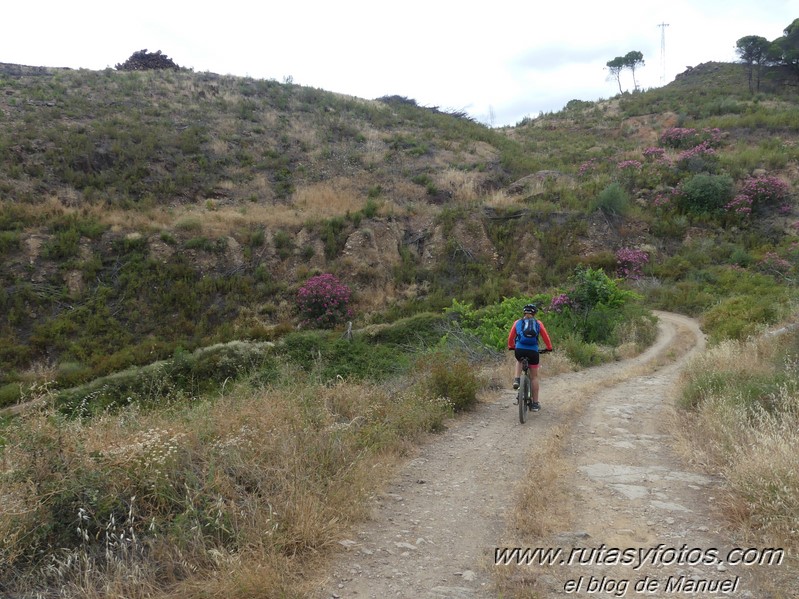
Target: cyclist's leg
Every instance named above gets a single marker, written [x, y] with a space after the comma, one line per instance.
[517, 372]
[534, 382]
[518, 367]
[534, 385]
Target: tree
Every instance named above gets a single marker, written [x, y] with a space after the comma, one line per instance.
[146, 61]
[615, 67]
[633, 60]
[753, 50]
[785, 49]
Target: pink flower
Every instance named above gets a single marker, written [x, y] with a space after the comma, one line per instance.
[631, 262]
[323, 299]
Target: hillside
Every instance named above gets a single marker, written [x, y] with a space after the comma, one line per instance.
[142, 212]
[177, 430]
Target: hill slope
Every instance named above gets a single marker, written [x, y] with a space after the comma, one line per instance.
[146, 211]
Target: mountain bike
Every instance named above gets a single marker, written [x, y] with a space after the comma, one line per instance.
[525, 396]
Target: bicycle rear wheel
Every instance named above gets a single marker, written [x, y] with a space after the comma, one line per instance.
[524, 397]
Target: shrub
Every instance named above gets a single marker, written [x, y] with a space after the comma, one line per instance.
[185, 374]
[773, 264]
[560, 302]
[631, 262]
[654, 153]
[678, 137]
[358, 360]
[740, 205]
[583, 354]
[686, 137]
[597, 306]
[419, 330]
[452, 378]
[765, 191]
[10, 394]
[323, 301]
[9, 240]
[629, 172]
[612, 201]
[492, 323]
[705, 194]
[700, 158]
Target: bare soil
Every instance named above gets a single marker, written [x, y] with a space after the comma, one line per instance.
[616, 498]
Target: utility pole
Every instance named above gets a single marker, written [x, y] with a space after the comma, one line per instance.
[663, 52]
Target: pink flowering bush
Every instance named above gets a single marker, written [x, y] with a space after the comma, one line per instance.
[678, 137]
[323, 301]
[697, 159]
[774, 264]
[740, 204]
[629, 164]
[686, 137]
[766, 190]
[560, 302]
[630, 173]
[703, 149]
[662, 200]
[631, 262]
[654, 154]
[759, 192]
[588, 166]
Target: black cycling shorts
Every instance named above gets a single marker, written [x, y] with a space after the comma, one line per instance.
[530, 354]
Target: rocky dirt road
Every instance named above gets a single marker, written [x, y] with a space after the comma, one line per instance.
[623, 514]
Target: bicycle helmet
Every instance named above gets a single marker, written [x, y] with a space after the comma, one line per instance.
[530, 309]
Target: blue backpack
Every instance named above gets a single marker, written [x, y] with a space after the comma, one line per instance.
[530, 328]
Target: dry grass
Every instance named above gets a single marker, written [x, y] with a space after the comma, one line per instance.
[213, 219]
[464, 186]
[335, 197]
[754, 444]
[501, 199]
[235, 498]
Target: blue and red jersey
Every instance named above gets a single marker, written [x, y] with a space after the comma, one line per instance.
[517, 340]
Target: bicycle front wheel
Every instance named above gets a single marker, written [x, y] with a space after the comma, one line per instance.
[524, 397]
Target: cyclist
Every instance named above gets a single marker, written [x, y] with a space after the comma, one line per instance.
[523, 340]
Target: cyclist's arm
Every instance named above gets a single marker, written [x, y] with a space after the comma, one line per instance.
[512, 336]
[544, 335]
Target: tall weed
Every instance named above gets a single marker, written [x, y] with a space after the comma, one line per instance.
[745, 421]
[155, 503]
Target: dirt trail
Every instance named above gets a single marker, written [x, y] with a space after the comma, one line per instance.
[435, 530]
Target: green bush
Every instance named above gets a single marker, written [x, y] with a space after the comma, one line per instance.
[582, 353]
[358, 360]
[10, 394]
[184, 375]
[612, 201]
[706, 194]
[739, 316]
[417, 331]
[9, 240]
[450, 377]
[492, 323]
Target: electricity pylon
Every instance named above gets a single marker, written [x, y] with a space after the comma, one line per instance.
[663, 52]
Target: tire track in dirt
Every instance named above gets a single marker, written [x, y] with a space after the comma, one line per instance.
[435, 529]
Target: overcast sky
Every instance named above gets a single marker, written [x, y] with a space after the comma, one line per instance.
[498, 60]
